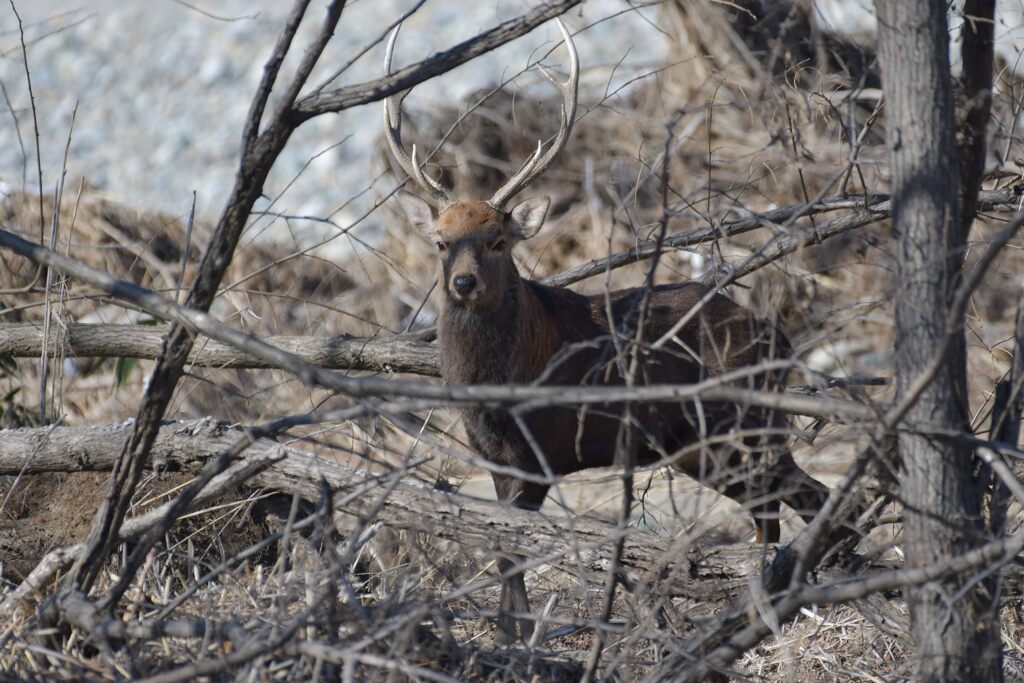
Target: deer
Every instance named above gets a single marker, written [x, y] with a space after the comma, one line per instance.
[497, 327]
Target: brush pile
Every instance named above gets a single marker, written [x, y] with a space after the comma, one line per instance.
[755, 128]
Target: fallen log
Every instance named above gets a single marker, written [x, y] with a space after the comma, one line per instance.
[414, 353]
[582, 545]
[400, 353]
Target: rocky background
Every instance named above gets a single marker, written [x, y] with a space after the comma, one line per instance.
[162, 88]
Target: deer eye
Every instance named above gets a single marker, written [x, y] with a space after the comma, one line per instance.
[441, 246]
[498, 246]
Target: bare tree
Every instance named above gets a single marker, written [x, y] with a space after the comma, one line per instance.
[955, 628]
[377, 566]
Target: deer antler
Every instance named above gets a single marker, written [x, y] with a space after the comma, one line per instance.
[393, 132]
[538, 163]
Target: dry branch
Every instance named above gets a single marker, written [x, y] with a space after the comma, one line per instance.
[676, 566]
[712, 573]
[83, 613]
[404, 353]
[865, 210]
[736, 633]
[715, 389]
[334, 101]
[260, 150]
[412, 353]
[36, 452]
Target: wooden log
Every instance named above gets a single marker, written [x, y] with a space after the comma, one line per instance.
[396, 354]
[402, 353]
[675, 565]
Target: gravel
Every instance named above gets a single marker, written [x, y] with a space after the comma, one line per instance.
[162, 90]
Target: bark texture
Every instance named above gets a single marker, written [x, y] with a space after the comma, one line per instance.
[957, 638]
[676, 566]
[398, 353]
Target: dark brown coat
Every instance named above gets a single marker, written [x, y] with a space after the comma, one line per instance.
[497, 328]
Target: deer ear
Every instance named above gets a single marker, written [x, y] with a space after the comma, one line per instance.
[417, 212]
[527, 217]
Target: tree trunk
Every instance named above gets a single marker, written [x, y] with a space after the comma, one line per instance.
[955, 629]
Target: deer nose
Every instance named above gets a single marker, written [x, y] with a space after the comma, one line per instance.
[464, 284]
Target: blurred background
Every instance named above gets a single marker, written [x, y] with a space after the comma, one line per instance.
[162, 89]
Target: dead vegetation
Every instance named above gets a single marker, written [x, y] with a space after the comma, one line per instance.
[756, 127]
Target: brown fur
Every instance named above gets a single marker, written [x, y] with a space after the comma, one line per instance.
[469, 218]
[518, 331]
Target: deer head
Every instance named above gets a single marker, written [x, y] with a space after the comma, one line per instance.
[475, 238]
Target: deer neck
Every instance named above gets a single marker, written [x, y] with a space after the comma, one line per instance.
[481, 347]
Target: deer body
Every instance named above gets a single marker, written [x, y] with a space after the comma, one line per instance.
[558, 337]
[515, 344]
[498, 328]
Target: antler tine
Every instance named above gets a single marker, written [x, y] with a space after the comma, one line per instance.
[393, 133]
[538, 163]
[426, 181]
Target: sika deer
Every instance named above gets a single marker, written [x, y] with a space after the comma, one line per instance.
[497, 327]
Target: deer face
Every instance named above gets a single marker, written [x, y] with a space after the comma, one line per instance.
[476, 238]
[475, 243]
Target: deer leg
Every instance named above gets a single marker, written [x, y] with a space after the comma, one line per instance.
[778, 479]
[745, 476]
[766, 523]
[514, 599]
[797, 489]
[806, 496]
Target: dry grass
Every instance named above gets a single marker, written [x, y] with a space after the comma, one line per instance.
[745, 141]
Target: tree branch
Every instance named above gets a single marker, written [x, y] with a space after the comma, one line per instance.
[700, 573]
[867, 210]
[258, 157]
[678, 566]
[333, 101]
[403, 353]
[714, 389]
